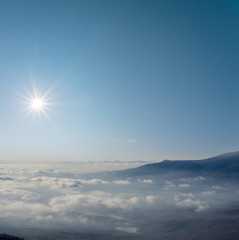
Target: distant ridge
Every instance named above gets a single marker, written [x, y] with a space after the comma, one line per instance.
[222, 166]
[232, 156]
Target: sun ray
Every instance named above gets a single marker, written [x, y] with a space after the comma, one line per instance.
[37, 103]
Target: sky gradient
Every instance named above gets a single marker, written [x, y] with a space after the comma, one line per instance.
[130, 80]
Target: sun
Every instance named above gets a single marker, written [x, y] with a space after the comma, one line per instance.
[37, 104]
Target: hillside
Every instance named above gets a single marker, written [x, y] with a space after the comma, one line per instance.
[222, 166]
[9, 237]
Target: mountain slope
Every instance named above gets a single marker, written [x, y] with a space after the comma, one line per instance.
[9, 237]
[221, 166]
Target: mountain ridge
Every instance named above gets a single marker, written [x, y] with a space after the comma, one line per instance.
[221, 166]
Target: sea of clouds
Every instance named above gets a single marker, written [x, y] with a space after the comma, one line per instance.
[51, 198]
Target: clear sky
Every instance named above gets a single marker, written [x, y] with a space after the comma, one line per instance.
[130, 80]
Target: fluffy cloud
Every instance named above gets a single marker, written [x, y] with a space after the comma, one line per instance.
[196, 204]
[145, 181]
[208, 193]
[190, 201]
[38, 197]
[128, 229]
[193, 179]
[93, 181]
[184, 185]
[54, 198]
[150, 198]
[122, 182]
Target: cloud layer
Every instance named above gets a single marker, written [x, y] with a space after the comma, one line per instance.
[49, 198]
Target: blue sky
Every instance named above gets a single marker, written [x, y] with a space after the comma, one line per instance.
[132, 80]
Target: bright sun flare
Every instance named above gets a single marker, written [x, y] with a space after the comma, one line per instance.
[37, 104]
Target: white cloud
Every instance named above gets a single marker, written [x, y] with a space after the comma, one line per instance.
[208, 193]
[93, 181]
[169, 184]
[150, 198]
[145, 181]
[122, 182]
[193, 179]
[184, 185]
[55, 198]
[187, 195]
[128, 229]
[198, 205]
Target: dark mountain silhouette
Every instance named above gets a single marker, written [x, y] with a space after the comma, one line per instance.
[223, 166]
[9, 237]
